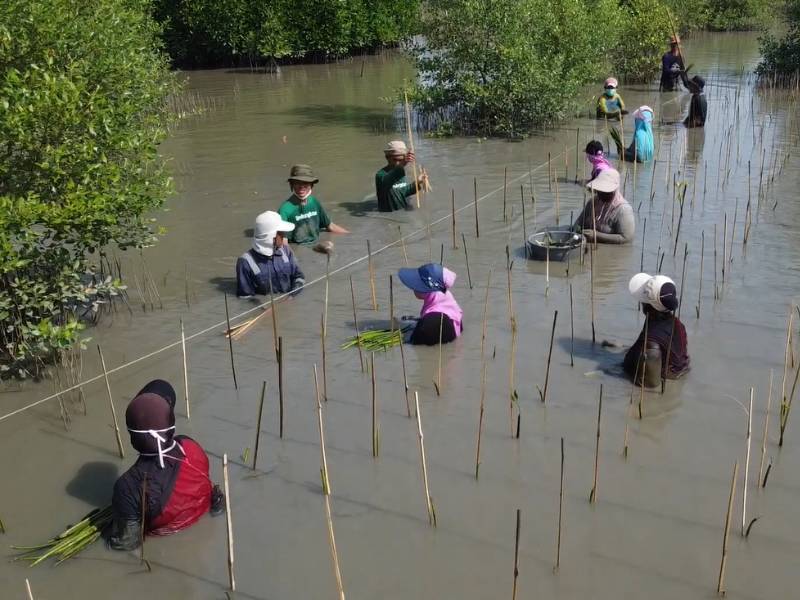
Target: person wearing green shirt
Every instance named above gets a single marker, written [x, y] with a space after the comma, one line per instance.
[391, 186]
[305, 212]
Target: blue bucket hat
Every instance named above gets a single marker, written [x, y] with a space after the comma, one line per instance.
[428, 278]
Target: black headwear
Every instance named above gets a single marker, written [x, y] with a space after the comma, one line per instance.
[594, 148]
[160, 388]
[151, 422]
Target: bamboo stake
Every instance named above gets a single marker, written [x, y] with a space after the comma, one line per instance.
[411, 144]
[505, 190]
[326, 481]
[786, 353]
[728, 515]
[480, 417]
[453, 216]
[428, 499]
[466, 257]
[231, 580]
[230, 342]
[477, 223]
[371, 270]
[403, 243]
[577, 144]
[324, 358]
[391, 302]
[593, 493]
[511, 318]
[549, 173]
[334, 554]
[766, 426]
[747, 460]
[716, 285]
[120, 447]
[274, 313]
[355, 321]
[516, 558]
[512, 391]
[560, 509]
[700, 278]
[543, 394]
[258, 423]
[375, 427]
[185, 372]
[785, 409]
[438, 383]
[28, 589]
[142, 559]
[591, 289]
[571, 330]
[644, 231]
[524, 221]
[280, 385]
[405, 378]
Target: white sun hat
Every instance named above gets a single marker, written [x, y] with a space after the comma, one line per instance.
[606, 181]
[267, 225]
[658, 291]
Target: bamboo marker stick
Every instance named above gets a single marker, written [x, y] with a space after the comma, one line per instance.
[324, 358]
[466, 257]
[375, 427]
[411, 145]
[274, 315]
[543, 394]
[700, 278]
[371, 270]
[142, 559]
[229, 523]
[524, 221]
[591, 289]
[403, 244]
[391, 303]
[549, 173]
[334, 554]
[230, 342]
[355, 321]
[280, 385]
[512, 391]
[452, 217]
[120, 447]
[258, 423]
[428, 499]
[185, 371]
[28, 589]
[593, 493]
[764, 437]
[516, 558]
[438, 383]
[577, 144]
[480, 417]
[511, 319]
[571, 330]
[747, 461]
[560, 509]
[326, 481]
[477, 223]
[787, 351]
[505, 190]
[716, 285]
[728, 515]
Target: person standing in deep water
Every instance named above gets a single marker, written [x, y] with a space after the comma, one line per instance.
[664, 354]
[172, 469]
[597, 158]
[671, 67]
[391, 186]
[610, 104]
[607, 218]
[698, 107]
[431, 283]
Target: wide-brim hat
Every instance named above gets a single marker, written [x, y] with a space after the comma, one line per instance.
[302, 173]
[606, 181]
[426, 279]
[658, 291]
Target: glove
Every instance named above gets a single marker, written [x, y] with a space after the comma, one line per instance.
[217, 502]
[126, 534]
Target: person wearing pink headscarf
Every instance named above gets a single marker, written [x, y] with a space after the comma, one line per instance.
[441, 316]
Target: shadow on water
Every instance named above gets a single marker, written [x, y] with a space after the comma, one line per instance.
[361, 209]
[93, 483]
[224, 284]
[338, 115]
[608, 360]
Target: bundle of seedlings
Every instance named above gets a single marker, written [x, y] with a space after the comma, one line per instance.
[377, 339]
[73, 540]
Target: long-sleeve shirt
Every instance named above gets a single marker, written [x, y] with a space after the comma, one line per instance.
[392, 188]
[671, 67]
[614, 225]
[256, 273]
[610, 106]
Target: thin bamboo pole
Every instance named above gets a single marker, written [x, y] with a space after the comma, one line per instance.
[324, 475]
[766, 427]
[371, 270]
[421, 438]
[411, 145]
[405, 377]
[591, 289]
[543, 394]
[700, 277]
[571, 329]
[560, 509]
[505, 191]
[120, 447]
[453, 216]
[593, 493]
[185, 372]
[280, 385]
[728, 515]
[258, 424]
[355, 321]
[229, 522]
[516, 557]
[324, 358]
[334, 554]
[230, 342]
[403, 244]
[375, 427]
[28, 589]
[438, 383]
[745, 481]
[477, 220]
[466, 257]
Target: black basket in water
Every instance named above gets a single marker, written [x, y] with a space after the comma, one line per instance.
[560, 242]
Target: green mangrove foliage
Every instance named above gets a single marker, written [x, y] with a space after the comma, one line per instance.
[494, 67]
[211, 32]
[723, 15]
[82, 108]
[780, 61]
[644, 28]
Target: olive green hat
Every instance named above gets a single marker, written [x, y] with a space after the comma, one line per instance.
[302, 173]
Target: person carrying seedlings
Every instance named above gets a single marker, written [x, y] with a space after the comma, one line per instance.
[431, 283]
[597, 158]
[698, 107]
[607, 218]
[671, 66]
[391, 186]
[664, 354]
[642, 147]
[171, 469]
[305, 212]
[610, 104]
[269, 266]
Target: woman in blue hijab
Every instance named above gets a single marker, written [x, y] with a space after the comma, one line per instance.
[641, 149]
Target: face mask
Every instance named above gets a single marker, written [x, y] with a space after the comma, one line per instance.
[610, 92]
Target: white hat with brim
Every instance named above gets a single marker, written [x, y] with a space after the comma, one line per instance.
[268, 224]
[396, 148]
[647, 289]
[606, 181]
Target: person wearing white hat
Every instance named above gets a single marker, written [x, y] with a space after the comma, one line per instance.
[607, 217]
[610, 104]
[269, 266]
[664, 354]
[391, 186]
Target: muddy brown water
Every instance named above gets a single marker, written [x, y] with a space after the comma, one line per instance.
[656, 529]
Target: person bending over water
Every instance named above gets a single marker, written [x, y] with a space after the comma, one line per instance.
[607, 217]
[391, 186]
[269, 266]
[173, 469]
[431, 283]
[666, 335]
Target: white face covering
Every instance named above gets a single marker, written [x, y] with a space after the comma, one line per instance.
[156, 433]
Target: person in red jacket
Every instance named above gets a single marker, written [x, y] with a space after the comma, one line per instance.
[172, 470]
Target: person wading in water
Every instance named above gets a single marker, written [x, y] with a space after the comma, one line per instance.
[431, 283]
[607, 217]
[671, 67]
[391, 186]
[664, 354]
